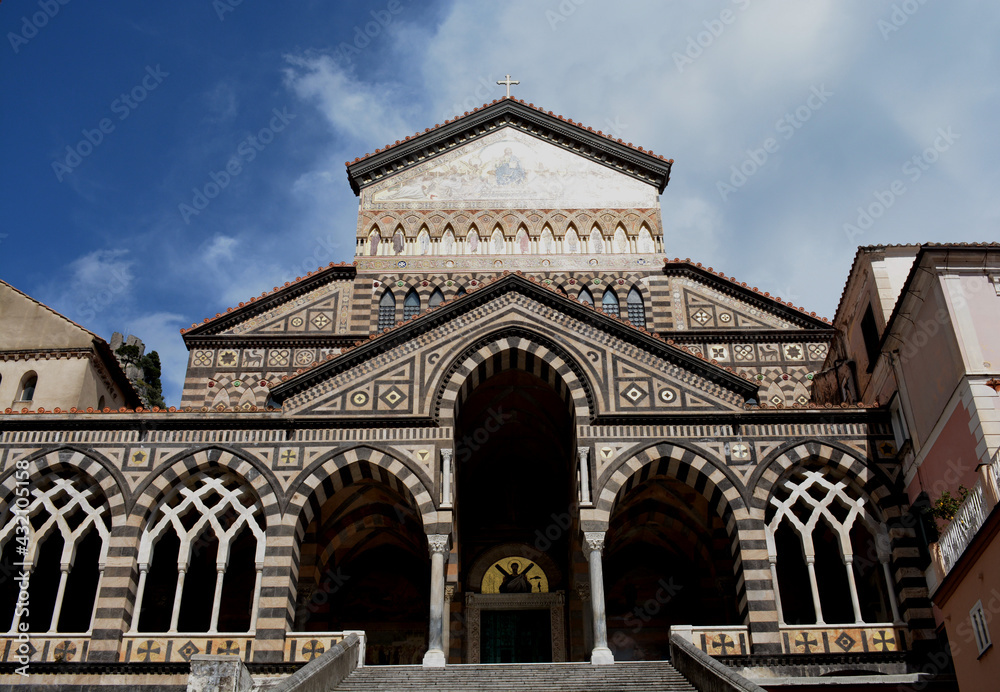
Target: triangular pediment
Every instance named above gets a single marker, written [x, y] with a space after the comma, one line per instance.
[704, 301]
[400, 373]
[507, 168]
[585, 142]
[314, 305]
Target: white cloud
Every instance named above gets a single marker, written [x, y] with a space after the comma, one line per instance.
[220, 248]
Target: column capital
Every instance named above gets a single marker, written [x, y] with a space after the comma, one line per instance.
[446, 454]
[594, 541]
[583, 453]
[438, 543]
[449, 592]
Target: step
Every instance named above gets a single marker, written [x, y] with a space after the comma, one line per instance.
[522, 677]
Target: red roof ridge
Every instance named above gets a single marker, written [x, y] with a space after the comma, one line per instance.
[744, 284]
[140, 409]
[490, 280]
[265, 294]
[437, 126]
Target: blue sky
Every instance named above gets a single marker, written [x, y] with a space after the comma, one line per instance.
[783, 117]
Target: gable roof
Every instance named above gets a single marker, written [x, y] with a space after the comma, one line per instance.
[749, 294]
[584, 141]
[267, 300]
[531, 287]
[87, 339]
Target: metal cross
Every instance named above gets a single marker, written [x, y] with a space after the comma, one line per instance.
[507, 80]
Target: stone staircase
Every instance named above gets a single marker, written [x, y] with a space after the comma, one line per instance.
[518, 677]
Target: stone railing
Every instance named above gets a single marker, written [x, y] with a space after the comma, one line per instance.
[716, 641]
[703, 671]
[981, 500]
[843, 639]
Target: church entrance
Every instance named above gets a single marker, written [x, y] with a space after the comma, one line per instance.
[515, 636]
[514, 524]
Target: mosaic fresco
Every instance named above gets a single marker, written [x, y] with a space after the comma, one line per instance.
[509, 167]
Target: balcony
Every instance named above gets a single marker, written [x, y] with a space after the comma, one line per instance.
[971, 516]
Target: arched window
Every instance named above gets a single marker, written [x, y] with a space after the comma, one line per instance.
[437, 297]
[586, 297]
[621, 240]
[645, 242]
[460, 291]
[68, 524]
[387, 310]
[411, 304]
[636, 310]
[28, 385]
[821, 528]
[609, 303]
[195, 556]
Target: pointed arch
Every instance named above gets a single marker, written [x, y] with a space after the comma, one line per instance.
[448, 241]
[374, 240]
[621, 240]
[472, 242]
[547, 243]
[411, 304]
[571, 241]
[596, 245]
[636, 308]
[645, 242]
[398, 240]
[510, 349]
[522, 242]
[498, 245]
[423, 241]
[609, 302]
[386, 310]
[586, 296]
[437, 297]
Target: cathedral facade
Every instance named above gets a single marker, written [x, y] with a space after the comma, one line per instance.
[511, 430]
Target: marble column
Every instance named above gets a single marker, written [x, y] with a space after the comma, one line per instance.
[449, 594]
[446, 473]
[434, 658]
[583, 453]
[593, 545]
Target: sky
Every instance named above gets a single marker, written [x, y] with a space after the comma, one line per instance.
[799, 131]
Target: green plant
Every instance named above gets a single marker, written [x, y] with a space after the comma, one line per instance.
[946, 506]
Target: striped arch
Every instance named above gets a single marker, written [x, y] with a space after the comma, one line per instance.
[695, 471]
[507, 350]
[327, 477]
[677, 462]
[831, 455]
[54, 462]
[177, 470]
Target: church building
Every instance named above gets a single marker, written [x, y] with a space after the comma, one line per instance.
[512, 430]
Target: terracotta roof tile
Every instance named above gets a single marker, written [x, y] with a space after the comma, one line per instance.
[744, 284]
[523, 103]
[265, 294]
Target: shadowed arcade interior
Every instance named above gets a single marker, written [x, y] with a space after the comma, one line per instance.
[515, 447]
[365, 565]
[668, 561]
